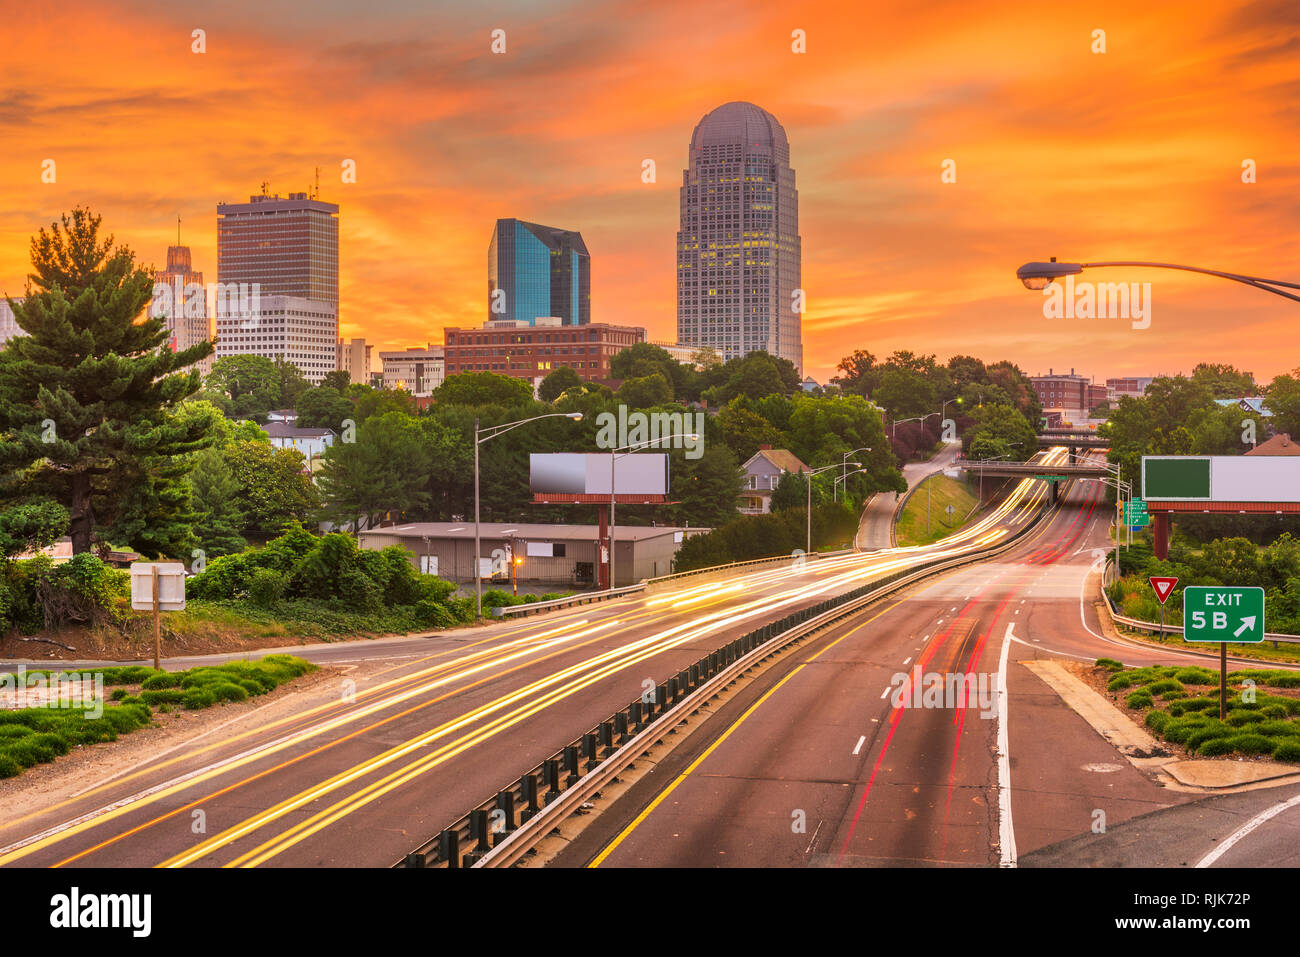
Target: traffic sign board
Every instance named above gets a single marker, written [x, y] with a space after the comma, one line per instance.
[1219, 613]
[1164, 586]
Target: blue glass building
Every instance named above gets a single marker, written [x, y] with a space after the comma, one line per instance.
[536, 270]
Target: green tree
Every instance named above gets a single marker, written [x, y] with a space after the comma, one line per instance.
[385, 470]
[906, 393]
[273, 486]
[28, 526]
[557, 383]
[644, 359]
[323, 408]
[338, 380]
[1284, 404]
[1223, 380]
[249, 382]
[292, 383]
[86, 395]
[744, 430]
[646, 392]
[214, 494]
[997, 431]
[482, 388]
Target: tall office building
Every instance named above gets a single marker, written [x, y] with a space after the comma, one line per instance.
[184, 304]
[738, 250]
[9, 328]
[278, 280]
[289, 247]
[354, 359]
[538, 271]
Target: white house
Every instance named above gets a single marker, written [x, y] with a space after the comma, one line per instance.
[310, 442]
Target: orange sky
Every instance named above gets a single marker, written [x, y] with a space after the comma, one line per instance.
[1131, 154]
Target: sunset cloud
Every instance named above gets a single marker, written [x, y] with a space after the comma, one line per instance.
[1131, 154]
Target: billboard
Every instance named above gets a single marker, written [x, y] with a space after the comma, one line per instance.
[1221, 478]
[581, 473]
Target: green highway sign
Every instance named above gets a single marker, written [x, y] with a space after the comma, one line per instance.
[1135, 513]
[1222, 613]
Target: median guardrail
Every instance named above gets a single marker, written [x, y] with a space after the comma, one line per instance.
[502, 829]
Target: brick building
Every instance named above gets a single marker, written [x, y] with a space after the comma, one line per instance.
[532, 352]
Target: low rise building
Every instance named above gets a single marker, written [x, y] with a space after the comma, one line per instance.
[561, 555]
[354, 359]
[8, 324]
[310, 442]
[418, 370]
[532, 351]
[763, 471]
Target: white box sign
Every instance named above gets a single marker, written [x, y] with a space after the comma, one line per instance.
[171, 586]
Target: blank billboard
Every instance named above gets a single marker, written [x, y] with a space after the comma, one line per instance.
[581, 473]
[1221, 478]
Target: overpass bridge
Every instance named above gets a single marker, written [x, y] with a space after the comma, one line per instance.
[1073, 439]
[1055, 474]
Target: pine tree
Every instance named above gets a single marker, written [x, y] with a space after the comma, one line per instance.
[87, 396]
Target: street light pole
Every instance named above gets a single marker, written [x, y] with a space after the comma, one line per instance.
[482, 435]
[626, 450]
[809, 476]
[1039, 275]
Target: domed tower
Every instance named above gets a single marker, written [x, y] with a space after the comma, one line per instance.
[738, 250]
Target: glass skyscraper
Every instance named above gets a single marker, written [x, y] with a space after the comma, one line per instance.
[536, 271]
[738, 251]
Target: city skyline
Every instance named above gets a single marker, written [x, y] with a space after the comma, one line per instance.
[1056, 150]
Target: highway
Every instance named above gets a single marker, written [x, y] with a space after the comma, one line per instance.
[343, 775]
[826, 760]
[875, 528]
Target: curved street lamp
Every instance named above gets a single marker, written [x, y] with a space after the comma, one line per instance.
[808, 481]
[1038, 275]
[480, 436]
[628, 450]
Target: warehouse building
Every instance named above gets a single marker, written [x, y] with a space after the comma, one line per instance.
[565, 555]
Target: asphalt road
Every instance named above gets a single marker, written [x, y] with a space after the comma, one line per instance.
[877, 519]
[827, 759]
[360, 772]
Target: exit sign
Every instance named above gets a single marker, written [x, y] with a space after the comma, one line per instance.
[1218, 613]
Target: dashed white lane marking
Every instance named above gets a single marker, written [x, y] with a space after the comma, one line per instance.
[907, 660]
[1006, 833]
[858, 746]
[885, 694]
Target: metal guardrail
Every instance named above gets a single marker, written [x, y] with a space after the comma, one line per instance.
[1154, 627]
[490, 830]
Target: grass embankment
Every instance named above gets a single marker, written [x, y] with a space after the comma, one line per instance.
[1181, 706]
[943, 492]
[36, 735]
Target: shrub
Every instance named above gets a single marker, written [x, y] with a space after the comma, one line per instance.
[1165, 685]
[360, 592]
[227, 576]
[228, 691]
[1216, 746]
[1110, 664]
[162, 696]
[82, 589]
[198, 698]
[1119, 683]
[1157, 720]
[156, 682]
[1284, 680]
[431, 614]
[1252, 744]
[1197, 676]
[1287, 751]
[1274, 710]
[266, 587]
[1139, 699]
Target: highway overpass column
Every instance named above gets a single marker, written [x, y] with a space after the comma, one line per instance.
[1160, 532]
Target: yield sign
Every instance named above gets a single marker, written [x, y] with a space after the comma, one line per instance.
[1164, 586]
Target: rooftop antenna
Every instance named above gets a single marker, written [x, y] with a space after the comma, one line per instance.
[178, 230]
[316, 192]
[265, 188]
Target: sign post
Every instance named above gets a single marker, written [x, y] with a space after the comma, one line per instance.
[157, 587]
[1135, 513]
[1223, 614]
